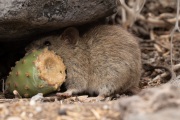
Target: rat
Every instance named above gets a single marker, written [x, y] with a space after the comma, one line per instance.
[105, 60]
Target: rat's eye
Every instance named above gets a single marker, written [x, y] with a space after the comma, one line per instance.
[47, 43]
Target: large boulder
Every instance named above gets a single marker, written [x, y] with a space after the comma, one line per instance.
[23, 18]
[160, 103]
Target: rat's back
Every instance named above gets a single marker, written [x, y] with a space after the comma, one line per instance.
[114, 59]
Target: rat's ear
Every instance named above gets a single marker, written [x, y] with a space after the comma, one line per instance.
[71, 34]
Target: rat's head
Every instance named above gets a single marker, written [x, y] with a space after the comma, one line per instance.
[63, 42]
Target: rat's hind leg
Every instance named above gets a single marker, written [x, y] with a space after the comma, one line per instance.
[134, 90]
[100, 97]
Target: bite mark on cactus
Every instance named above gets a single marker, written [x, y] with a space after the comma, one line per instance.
[49, 68]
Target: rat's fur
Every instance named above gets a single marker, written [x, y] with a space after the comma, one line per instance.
[105, 60]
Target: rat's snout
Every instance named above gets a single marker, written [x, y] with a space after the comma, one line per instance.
[41, 47]
[33, 46]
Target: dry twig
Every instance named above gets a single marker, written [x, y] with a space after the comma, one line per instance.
[176, 28]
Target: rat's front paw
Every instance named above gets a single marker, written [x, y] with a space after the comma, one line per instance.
[64, 94]
[67, 94]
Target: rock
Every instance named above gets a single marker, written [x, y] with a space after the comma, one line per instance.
[23, 18]
[161, 103]
[14, 118]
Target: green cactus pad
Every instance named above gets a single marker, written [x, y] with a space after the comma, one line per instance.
[40, 71]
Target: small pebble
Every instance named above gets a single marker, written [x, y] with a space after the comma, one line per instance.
[38, 109]
[32, 103]
[62, 112]
[105, 107]
[23, 114]
[14, 118]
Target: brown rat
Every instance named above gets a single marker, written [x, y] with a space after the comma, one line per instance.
[105, 60]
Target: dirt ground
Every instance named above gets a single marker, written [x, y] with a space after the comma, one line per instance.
[154, 32]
